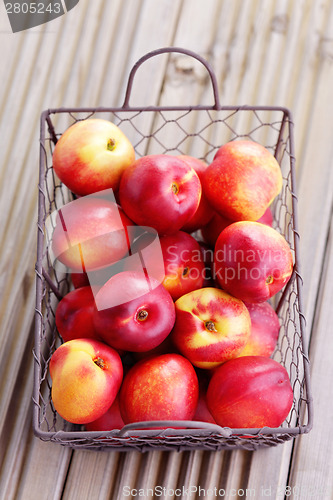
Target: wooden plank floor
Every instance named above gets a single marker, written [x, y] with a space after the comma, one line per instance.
[273, 52]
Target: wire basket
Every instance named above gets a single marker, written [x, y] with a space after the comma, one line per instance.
[198, 131]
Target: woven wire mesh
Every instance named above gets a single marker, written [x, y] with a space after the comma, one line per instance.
[196, 132]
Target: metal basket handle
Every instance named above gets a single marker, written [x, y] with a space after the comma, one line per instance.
[155, 427]
[165, 50]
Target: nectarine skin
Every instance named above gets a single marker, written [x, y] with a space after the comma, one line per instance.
[183, 263]
[204, 211]
[160, 191]
[142, 317]
[211, 327]
[86, 376]
[80, 279]
[182, 269]
[252, 261]
[212, 230]
[166, 347]
[91, 156]
[265, 326]
[160, 388]
[250, 392]
[74, 315]
[242, 181]
[110, 420]
[202, 413]
[91, 233]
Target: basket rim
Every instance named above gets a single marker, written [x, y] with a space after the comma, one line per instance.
[127, 108]
[201, 429]
[128, 430]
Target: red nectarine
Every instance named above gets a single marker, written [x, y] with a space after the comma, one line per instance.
[211, 327]
[160, 191]
[134, 312]
[252, 261]
[91, 156]
[160, 388]
[86, 376]
[242, 181]
[250, 392]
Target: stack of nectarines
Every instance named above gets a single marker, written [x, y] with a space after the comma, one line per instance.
[163, 324]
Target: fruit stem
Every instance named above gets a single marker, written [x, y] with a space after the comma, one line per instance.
[175, 188]
[111, 144]
[210, 326]
[142, 315]
[185, 271]
[100, 362]
[269, 280]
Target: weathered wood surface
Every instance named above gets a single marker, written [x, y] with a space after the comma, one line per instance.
[263, 52]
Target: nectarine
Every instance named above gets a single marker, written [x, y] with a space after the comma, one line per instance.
[252, 261]
[134, 312]
[250, 392]
[211, 327]
[91, 156]
[160, 191]
[242, 181]
[86, 376]
[160, 388]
